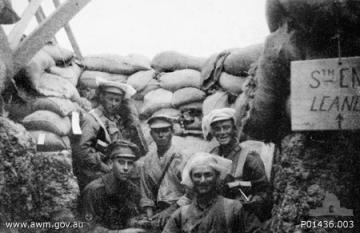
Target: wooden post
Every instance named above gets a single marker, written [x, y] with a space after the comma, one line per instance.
[70, 34]
[45, 31]
[19, 28]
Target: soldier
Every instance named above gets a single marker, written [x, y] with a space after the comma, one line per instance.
[209, 212]
[248, 169]
[113, 119]
[160, 173]
[111, 200]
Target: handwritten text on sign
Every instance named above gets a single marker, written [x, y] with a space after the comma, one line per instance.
[325, 94]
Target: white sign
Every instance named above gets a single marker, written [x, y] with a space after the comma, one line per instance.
[325, 94]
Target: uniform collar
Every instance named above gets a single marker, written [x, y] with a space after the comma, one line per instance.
[100, 111]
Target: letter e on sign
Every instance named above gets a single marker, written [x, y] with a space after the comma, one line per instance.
[324, 94]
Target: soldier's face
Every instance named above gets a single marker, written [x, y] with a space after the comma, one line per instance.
[111, 102]
[223, 131]
[162, 136]
[204, 179]
[122, 167]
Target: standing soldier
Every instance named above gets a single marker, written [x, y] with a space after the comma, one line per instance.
[248, 170]
[160, 173]
[111, 200]
[113, 119]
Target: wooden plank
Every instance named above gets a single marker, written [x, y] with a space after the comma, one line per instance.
[325, 94]
[45, 31]
[19, 28]
[40, 16]
[6, 60]
[70, 35]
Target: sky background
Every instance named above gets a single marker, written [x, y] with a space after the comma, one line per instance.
[147, 27]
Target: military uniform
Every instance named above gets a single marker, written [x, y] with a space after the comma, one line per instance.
[110, 202]
[247, 166]
[89, 160]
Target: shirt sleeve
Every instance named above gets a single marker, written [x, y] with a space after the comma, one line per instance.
[147, 188]
[86, 155]
[254, 171]
[174, 223]
[91, 200]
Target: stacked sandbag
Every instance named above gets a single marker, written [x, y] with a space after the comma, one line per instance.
[52, 72]
[175, 75]
[115, 64]
[50, 122]
[111, 67]
[143, 82]
[154, 101]
[228, 70]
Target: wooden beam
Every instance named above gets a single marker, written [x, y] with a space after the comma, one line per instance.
[45, 31]
[40, 16]
[19, 28]
[70, 35]
[6, 60]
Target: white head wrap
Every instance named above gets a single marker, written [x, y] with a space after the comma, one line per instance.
[220, 164]
[216, 115]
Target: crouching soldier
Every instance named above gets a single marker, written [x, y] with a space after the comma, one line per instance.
[111, 200]
[112, 120]
[248, 171]
[160, 181]
[209, 212]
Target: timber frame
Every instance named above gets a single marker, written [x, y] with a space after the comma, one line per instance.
[16, 53]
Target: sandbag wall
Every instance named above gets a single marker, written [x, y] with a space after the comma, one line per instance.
[47, 89]
[179, 82]
[175, 86]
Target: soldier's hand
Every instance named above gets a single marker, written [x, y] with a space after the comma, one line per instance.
[162, 217]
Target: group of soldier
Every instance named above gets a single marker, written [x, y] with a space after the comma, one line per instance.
[125, 184]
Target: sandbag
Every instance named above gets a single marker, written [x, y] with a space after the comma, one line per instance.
[48, 121]
[57, 187]
[197, 105]
[187, 95]
[170, 61]
[62, 107]
[41, 62]
[70, 73]
[178, 79]
[156, 100]
[239, 60]
[114, 64]
[88, 78]
[151, 86]
[231, 83]
[141, 79]
[52, 142]
[58, 53]
[55, 86]
[217, 100]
